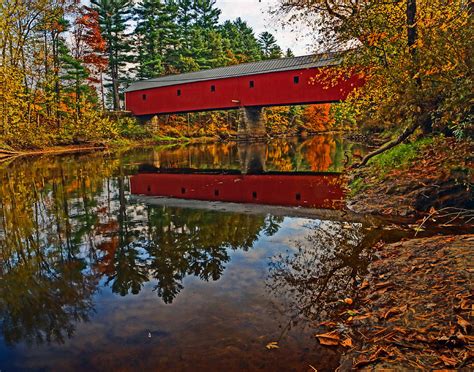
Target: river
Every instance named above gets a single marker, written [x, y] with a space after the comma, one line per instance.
[95, 276]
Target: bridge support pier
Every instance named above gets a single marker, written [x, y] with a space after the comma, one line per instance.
[252, 157]
[251, 123]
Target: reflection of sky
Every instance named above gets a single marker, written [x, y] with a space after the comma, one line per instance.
[220, 322]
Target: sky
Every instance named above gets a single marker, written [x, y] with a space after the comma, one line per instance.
[257, 14]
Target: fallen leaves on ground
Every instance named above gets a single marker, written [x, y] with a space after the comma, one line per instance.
[272, 345]
[330, 338]
[421, 318]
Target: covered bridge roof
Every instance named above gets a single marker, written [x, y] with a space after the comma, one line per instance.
[243, 69]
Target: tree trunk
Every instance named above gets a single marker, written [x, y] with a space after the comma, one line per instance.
[406, 133]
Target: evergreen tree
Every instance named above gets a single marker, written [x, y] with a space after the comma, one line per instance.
[207, 15]
[156, 37]
[184, 20]
[243, 44]
[73, 77]
[268, 45]
[289, 53]
[113, 18]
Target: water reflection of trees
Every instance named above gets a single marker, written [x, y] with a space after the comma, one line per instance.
[323, 153]
[66, 226]
[323, 270]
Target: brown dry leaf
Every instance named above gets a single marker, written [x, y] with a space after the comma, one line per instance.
[328, 324]
[465, 305]
[463, 323]
[361, 317]
[330, 338]
[395, 310]
[364, 362]
[383, 285]
[448, 361]
[364, 285]
[272, 345]
[347, 342]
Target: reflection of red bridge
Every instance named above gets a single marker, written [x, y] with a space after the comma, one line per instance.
[248, 86]
[309, 190]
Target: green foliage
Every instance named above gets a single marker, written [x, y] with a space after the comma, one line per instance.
[129, 127]
[269, 46]
[344, 115]
[114, 16]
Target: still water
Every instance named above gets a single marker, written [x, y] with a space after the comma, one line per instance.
[95, 278]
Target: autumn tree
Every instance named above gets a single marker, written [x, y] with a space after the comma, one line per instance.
[89, 46]
[415, 55]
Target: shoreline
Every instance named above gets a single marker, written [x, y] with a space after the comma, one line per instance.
[158, 141]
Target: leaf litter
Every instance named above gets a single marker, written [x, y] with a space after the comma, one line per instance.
[420, 318]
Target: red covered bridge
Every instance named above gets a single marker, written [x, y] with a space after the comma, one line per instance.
[248, 86]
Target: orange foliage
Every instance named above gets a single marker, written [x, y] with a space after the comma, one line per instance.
[318, 152]
[317, 118]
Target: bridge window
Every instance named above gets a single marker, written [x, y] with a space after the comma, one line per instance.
[298, 196]
[296, 79]
[254, 195]
[213, 88]
[251, 84]
[144, 97]
[178, 92]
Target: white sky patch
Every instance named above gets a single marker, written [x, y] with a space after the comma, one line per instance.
[257, 15]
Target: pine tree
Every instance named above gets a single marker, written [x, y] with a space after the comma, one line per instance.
[207, 15]
[243, 44]
[268, 45]
[289, 53]
[113, 18]
[184, 20]
[156, 37]
[73, 77]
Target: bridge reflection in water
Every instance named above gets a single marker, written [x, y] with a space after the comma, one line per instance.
[249, 184]
[314, 190]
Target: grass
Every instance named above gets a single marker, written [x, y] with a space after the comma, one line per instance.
[400, 156]
[357, 186]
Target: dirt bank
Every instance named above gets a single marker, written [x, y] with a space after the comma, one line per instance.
[439, 176]
[414, 310]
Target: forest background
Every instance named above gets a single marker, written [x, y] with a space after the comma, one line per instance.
[65, 65]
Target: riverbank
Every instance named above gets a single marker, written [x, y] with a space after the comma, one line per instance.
[100, 146]
[415, 179]
[414, 309]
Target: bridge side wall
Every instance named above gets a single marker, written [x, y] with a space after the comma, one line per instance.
[275, 88]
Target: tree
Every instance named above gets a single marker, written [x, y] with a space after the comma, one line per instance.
[269, 46]
[243, 46]
[72, 76]
[156, 37]
[417, 55]
[90, 47]
[113, 18]
[206, 14]
[289, 53]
